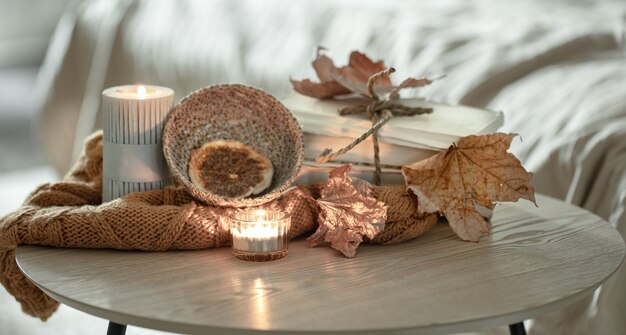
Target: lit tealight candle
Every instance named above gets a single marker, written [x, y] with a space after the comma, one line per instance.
[133, 118]
[260, 235]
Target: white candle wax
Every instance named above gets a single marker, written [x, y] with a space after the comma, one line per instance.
[133, 117]
[257, 237]
[260, 232]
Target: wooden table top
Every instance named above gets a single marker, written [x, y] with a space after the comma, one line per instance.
[535, 260]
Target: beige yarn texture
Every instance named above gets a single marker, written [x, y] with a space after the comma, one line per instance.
[70, 214]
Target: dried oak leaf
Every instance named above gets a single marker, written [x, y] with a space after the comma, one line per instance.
[476, 171]
[348, 213]
[351, 78]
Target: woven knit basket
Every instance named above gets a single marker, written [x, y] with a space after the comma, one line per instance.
[234, 112]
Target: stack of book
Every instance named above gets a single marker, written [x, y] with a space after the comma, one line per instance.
[403, 140]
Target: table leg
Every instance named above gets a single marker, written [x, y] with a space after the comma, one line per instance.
[517, 329]
[116, 329]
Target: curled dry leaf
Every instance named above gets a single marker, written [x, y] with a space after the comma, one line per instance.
[348, 213]
[355, 75]
[327, 87]
[351, 78]
[407, 83]
[476, 171]
[324, 90]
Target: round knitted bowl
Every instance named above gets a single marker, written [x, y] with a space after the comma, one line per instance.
[240, 113]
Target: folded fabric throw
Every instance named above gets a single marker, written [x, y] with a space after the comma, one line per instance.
[70, 214]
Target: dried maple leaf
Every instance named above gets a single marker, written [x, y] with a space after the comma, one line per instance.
[355, 75]
[327, 87]
[351, 78]
[348, 213]
[407, 83]
[476, 171]
[323, 90]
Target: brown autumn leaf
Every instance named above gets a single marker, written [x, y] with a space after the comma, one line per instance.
[351, 78]
[327, 87]
[348, 213]
[407, 83]
[324, 68]
[360, 68]
[325, 90]
[476, 171]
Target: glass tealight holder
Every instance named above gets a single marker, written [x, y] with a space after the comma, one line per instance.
[260, 235]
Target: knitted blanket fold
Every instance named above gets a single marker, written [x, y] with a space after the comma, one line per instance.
[70, 214]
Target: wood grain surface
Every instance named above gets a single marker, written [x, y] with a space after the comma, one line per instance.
[535, 260]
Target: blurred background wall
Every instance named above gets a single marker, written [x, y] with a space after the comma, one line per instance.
[26, 27]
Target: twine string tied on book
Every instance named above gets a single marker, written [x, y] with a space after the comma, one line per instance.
[379, 111]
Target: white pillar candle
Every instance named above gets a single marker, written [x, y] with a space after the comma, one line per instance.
[133, 118]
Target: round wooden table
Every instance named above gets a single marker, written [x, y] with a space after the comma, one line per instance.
[535, 261]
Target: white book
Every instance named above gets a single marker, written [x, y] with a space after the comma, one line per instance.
[312, 173]
[403, 140]
[437, 130]
[390, 154]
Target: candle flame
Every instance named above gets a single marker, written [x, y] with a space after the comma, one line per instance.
[141, 92]
[260, 216]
